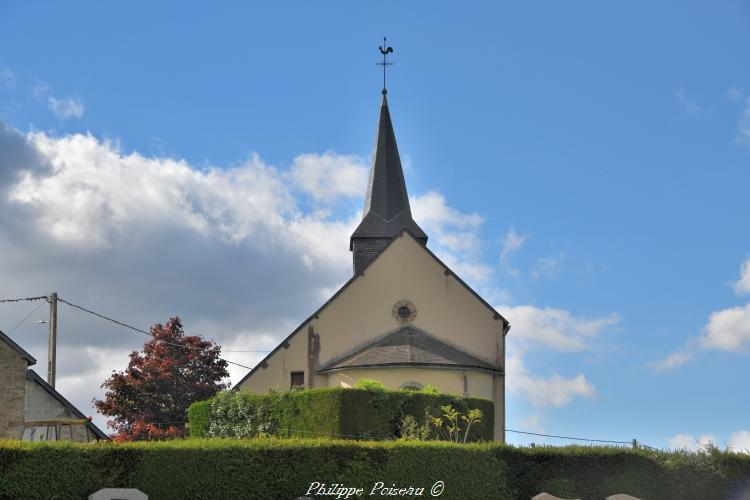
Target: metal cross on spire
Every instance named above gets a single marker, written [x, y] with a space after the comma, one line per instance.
[385, 50]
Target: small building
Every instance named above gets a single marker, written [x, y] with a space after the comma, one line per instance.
[404, 318]
[30, 408]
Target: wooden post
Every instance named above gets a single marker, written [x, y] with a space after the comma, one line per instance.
[52, 352]
[635, 444]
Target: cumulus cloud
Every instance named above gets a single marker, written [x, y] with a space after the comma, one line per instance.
[742, 285]
[143, 238]
[535, 328]
[689, 442]
[328, 176]
[739, 442]
[453, 235]
[555, 329]
[540, 392]
[66, 107]
[726, 330]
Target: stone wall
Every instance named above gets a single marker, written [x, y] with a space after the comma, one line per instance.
[41, 405]
[12, 392]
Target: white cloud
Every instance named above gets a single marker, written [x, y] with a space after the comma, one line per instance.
[673, 360]
[7, 78]
[742, 285]
[555, 391]
[547, 267]
[554, 329]
[689, 442]
[534, 328]
[728, 330]
[144, 238]
[450, 228]
[453, 235]
[740, 441]
[328, 176]
[66, 107]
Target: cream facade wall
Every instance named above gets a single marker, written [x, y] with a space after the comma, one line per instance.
[362, 313]
[476, 383]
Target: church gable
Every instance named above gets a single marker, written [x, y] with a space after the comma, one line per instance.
[406, 274]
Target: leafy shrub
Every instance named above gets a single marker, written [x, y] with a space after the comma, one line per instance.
[332, 412]
[430, 389]
[369, 384]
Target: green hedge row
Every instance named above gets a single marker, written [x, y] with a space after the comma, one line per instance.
[285, 469]
[327, 412]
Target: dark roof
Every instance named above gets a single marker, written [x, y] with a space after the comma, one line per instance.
[409, 347]
[34, 377]
[387, 210]
[25, 355]
[447, 271]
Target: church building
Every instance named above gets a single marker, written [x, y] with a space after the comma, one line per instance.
[404, 318]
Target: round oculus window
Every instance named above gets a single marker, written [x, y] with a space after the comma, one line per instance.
[404, 311]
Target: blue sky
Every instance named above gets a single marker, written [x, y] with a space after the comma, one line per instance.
[593, 159]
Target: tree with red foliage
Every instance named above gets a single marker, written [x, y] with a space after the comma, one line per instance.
[150, 399]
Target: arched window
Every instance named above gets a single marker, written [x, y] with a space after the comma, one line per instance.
[411, 386]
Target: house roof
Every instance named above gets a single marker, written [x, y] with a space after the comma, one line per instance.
[25, 355]
[346, 285]
[34, 377]
[387, 209]
[410, 347]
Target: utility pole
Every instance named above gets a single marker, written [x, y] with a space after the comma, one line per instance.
[52, 356]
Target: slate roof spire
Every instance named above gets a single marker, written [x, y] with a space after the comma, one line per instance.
[387, 212]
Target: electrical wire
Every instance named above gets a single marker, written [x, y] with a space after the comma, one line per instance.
[149, 334]
[25, 318]
[26, 299]
[579, 439]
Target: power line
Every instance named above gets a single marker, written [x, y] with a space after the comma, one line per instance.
[138, 329]
[578, 438]
[25, 318]
[568, 437]
[25, 299]
[149, 334]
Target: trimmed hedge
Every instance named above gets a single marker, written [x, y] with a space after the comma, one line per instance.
[199, 416]
[327, 412]
[284, 469]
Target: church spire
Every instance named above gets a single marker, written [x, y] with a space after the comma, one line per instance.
[387, 212]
